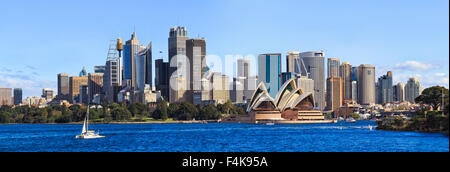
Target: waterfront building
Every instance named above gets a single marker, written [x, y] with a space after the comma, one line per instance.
[269, 69]
[63, 86]
[413, 89]
[346, 75]
[384, 89]
[313, 66]
[333, 65]
[74, 87]
[162, 78]
[48, 94]
[5, 96]
[292, 59]
[366, 85]
[196, 53]
[399, 92]
[290, 104]
[17, 96]
[203, 96]
[95, 84]
[177, 63]
[334, 93]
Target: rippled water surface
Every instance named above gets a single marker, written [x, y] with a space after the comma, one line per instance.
[344, 137]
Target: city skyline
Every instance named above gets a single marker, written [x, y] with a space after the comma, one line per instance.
[391, 41]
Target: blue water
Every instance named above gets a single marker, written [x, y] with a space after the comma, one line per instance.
[219, 138]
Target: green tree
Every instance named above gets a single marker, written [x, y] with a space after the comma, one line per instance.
[161, 111]
[172, 110]
[433, 96]
[186, 111]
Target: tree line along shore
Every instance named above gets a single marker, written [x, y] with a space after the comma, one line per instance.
[118, 113]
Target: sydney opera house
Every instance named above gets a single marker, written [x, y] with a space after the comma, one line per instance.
[291, 105]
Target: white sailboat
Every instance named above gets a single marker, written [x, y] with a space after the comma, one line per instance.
[85, 133]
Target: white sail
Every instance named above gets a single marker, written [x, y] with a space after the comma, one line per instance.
[84, 130]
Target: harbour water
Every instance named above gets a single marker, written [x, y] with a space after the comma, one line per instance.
[345, 137]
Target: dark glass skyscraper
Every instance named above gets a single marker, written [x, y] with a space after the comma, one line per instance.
[17, 96]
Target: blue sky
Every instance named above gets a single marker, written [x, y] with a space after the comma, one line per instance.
[40, 39]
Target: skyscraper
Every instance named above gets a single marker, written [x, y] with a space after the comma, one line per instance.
[95, 85]
[162, 78]
[196, 53]
[63, 86]
[17, 96]
[144, 68]
[220, 91]
[74, 87]
[112, 79]
[269, 69]
[413, 89]
[333, 67]
[243, 69]
[83, 72]
[399, 92]
[346, 75]
[292, 59]
[177, 62]
[99, 69]
[130, 51]
[366, 85]
[5, 96]
[334, 93]
[355, 91]
[48, 94]
[385, 90]
[313, 66]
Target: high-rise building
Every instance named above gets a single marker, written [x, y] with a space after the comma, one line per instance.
[413, 89]
[130, 51]
[269, 69]
[346, 75]
[305, 83]
[144, 68]
[385, 93]
[292, 59]
[334, 93]
[196, 53]
[63, 86]
[354, 73]
[366, 85]
[95, 85]
[162, 78]
[237, 94]
[286, 76]
[48, 94]
[84, 94]
[220, 91]
[243, 69]
[112, 79]
[312, 65]
[83, 72]
[177, 62]
[333, 67]
[99, 69]
[355, 91]
[17, 96]
[74, 87]
[399, 92]
[5, 96]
